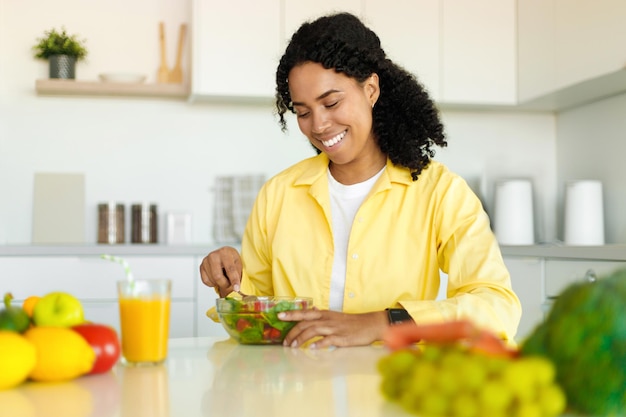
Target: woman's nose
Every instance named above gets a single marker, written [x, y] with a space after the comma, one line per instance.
[320, 122]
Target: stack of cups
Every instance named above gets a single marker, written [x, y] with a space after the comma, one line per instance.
[584, 213]
[513, 207]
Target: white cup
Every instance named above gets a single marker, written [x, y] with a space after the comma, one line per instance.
[584, 213]
[513, 212]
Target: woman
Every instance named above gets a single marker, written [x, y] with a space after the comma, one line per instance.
[367, 224]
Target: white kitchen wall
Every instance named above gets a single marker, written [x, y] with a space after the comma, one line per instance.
[169, 151]
[592, 145]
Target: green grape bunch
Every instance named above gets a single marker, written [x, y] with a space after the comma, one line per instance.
[453, 381]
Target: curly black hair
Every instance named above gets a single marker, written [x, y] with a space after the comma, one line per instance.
[406, 122]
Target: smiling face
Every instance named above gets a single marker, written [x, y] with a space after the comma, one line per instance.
[334, 112]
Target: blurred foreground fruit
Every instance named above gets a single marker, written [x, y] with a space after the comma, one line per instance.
[105, 343]
[17, 359]
[585, 336]
[62, 354]
[12, 317]
[58, 309]
[29, 304]
[453, 381]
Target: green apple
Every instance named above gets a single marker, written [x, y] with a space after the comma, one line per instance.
[58, 309]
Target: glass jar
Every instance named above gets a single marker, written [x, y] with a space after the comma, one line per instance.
[144, 223]
[111, 223]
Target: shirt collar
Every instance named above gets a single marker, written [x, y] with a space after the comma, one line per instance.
[315, 167]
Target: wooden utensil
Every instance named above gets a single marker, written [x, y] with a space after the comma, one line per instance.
[163, 74]
[176, 75]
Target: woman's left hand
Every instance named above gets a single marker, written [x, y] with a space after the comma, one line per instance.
[335, 328]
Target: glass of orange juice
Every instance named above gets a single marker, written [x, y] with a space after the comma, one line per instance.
[144, 320]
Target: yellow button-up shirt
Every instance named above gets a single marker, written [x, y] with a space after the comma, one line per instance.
[403, 234]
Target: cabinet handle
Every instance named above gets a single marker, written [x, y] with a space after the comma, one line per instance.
[590, 275]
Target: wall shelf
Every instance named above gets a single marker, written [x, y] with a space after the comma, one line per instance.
[96, 88]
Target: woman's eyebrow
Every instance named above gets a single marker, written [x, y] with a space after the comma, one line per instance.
[320, 97]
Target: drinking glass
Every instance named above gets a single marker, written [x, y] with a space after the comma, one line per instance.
[144, 320]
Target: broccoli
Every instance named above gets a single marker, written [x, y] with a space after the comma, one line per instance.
[584, 335]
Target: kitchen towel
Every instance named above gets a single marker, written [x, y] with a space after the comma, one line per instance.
[513, 207]
[584, 213]
[234, 198]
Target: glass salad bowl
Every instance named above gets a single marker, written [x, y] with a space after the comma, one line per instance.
[256, 322]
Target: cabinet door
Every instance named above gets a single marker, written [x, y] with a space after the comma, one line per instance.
[91, 278]
[590, 39]
[409, 34]
[479, 52]
[527, 282]
[535, 48]
[297, 12]
[561, 273]
[93, 281]
[235, 48]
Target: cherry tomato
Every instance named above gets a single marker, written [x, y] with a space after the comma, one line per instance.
[243, 324]
[271, 334]
[104, 341]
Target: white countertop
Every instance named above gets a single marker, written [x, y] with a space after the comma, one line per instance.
[126, 249]
[548, 250]
[218, 377]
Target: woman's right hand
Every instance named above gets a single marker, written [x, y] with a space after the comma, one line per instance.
[221, 269]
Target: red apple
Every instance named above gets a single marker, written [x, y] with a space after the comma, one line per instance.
[104, 341]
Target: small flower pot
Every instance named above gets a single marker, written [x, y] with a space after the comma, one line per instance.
[62, 66]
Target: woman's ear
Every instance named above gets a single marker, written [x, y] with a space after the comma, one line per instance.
[372, 89]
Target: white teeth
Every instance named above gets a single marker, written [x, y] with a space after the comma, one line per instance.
[334, 141]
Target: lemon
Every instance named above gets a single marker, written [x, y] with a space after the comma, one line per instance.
[17, 359]
[62, 354]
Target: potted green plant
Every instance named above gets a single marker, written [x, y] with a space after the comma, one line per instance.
[62, 51]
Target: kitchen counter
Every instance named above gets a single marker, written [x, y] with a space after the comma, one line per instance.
[548, 250]
[214, 376]
[560, 251]
[218, 377]
[127, 249]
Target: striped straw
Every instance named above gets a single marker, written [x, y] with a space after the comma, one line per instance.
[129, 275]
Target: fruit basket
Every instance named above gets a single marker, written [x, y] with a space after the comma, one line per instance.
[256, 322]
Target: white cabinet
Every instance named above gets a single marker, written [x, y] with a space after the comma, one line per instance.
[463, 52]
[236, 46]
[570, 52]
[535, 48]
[478, 55]
[297, 12]
[590, 39]
[410, 35]
[562, 273]
[528, 283]
[93, 281]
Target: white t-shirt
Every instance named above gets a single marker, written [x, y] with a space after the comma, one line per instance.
[345, 200]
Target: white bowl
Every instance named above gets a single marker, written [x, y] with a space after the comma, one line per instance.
[122, 77]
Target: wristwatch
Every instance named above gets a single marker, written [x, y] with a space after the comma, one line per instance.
[398, 315]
